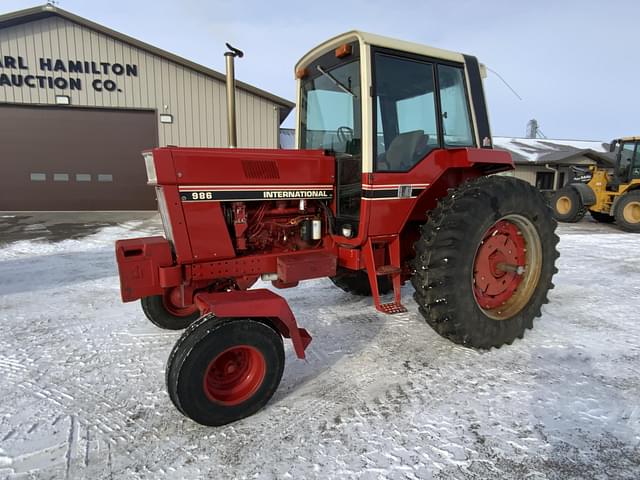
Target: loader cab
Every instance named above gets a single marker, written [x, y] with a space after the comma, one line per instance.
[381, 107]
[627, 166]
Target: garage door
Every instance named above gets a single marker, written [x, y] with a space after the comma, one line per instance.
[75, 159]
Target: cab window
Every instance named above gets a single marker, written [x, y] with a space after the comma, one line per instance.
[456, 125]
[406, 112]
[420, 105]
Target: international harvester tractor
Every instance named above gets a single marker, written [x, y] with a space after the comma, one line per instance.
[391, 182]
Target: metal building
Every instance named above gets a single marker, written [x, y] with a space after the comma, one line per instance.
[79, 102]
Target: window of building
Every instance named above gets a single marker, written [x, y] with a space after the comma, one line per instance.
[544, 180]
[38, 177]
[83, 177]
[60, 177]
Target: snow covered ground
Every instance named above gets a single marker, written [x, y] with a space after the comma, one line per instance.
[83, 394]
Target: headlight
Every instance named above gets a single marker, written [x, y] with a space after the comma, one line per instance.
[164, 214]
[152, 178]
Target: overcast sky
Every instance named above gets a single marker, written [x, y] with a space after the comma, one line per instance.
[574, 63]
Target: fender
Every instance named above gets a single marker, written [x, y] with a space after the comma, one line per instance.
[587, 195]
[246, 303]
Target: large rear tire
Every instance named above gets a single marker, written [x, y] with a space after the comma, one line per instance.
[224, 369]
[357, 282]
[567, 205]
[162, 313]
[485, 261]
[628, 212]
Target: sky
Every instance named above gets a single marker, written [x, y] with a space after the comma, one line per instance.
[572, 62]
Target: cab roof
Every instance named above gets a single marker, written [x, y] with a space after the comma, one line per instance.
[378, 41]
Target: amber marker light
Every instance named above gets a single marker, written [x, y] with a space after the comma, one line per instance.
[301, 72]
[343, 50]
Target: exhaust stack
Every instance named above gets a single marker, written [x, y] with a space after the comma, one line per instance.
[232, 136]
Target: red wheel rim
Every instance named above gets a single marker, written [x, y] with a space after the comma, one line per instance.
[499, 265]
[234, 375]
[171, 300]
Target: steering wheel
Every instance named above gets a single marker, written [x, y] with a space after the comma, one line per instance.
[344, 134]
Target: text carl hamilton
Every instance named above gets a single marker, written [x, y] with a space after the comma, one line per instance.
[53, 68]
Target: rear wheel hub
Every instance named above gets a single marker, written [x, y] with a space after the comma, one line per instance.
[506, 267]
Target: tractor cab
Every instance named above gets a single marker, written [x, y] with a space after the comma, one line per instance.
[384, 108]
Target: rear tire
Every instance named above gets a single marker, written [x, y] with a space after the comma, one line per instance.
[224, 369]
[168, 317]
[479, 230]
[602, 217]
[567, 205]
[628, 212]
[357, 282]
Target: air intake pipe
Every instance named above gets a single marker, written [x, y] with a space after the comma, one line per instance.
[232, 135]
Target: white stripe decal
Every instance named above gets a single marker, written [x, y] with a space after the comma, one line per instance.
[231, 188]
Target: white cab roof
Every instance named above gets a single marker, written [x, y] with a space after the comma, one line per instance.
[378, 41]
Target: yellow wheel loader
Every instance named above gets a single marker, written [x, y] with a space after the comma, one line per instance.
[610, 195]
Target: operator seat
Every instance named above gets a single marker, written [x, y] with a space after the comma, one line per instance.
[401, 154]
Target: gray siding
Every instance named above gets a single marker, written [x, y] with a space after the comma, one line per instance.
[196, 101]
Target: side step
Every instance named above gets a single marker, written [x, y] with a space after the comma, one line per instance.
[394, 270]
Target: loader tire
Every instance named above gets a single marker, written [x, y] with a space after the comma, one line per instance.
[224, 369]
[628, 212]
[485, 261]
[161, 313]
[567, 205]
[357, 282]
[602, 217]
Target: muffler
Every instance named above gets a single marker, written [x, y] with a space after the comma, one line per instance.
[232, 134]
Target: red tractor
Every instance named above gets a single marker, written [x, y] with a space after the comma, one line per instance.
[390, 182]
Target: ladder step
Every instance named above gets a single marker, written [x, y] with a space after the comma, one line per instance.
[388, 270]
[391, 308]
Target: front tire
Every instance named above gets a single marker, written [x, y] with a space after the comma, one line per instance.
[628, 212]
[162, 313]
[485, 261]
[567, 205]
[224, 369]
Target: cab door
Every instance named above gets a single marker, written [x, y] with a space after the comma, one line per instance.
[420, 106]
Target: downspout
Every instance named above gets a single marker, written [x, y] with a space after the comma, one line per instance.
[556, 177]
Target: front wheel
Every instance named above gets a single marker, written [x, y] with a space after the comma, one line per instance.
[567, 205]
[356, 282]
[485, 261]
[628, 212]
[163, 313]
[222, 370]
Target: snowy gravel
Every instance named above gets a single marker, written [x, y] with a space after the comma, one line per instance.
[83, 395]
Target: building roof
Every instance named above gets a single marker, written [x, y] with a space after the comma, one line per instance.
[45, 11]
[536, 151]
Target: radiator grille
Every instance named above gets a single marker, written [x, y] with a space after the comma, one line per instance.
[260, 169]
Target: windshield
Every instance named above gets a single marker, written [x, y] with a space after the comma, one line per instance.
[330, 109]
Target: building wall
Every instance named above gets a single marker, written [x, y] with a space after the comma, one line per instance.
[528, 173]
[147, 81]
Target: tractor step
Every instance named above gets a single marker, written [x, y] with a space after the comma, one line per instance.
[391, 308]
[388, 270]
[389, 249]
